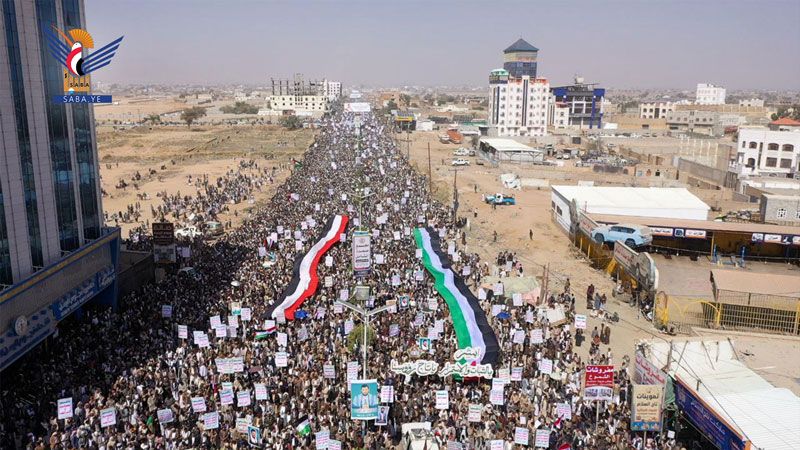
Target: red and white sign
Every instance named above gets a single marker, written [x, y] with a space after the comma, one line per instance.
[599, 376]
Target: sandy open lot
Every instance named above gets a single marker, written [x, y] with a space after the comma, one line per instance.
[174, 153]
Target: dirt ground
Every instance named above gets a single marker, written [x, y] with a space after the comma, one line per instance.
[177, 152]
[550, 247]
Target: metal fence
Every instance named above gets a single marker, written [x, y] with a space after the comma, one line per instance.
[733, 311]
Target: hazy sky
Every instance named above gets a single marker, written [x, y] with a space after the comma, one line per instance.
[631, 43]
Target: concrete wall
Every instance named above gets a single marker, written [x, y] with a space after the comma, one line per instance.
[789, 206]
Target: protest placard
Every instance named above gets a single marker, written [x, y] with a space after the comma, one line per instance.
[537, 337]
[281, 359]
[333, 444]
[211, 420]
[497, 396]
[166, 311]
[226, 396]
[580, 321]
[322, 439]
[261, 391]
[564, 411]
[516, 374]
[521, 436]
[474, 413]
[198, 404]
[108, 417]
[442, 400]
[546, 366]
[65, 409]
[387, 394]
[165, 416]
[497, 444]
[352, 370]
[243, 398]
[543, 438]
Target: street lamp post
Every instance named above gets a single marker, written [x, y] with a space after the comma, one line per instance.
[365, 319]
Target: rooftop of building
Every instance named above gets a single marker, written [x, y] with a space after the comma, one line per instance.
[708, 225]
[508, 145]
[786, 121]
[711, 368]
[520, 46]
[756, 283]
[632, 197]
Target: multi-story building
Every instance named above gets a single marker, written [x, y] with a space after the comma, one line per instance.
[765, 151]
[55, 253]
[752, 102]
[585, 102]
[518, 100]
[655, 110]
[332, 89]
[694, 121]
[708, 94]
[302, 97]
[558, 113]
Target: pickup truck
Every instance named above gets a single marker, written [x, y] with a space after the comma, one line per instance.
[460, 162]
[461, 152]
[500, 199]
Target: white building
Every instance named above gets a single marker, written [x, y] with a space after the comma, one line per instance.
[518, 100]
[558, 113]
[669, 203]
[752, 102]
[655, 110]
[765, 151]
[332, 89]
[517, 106]
[708, 94]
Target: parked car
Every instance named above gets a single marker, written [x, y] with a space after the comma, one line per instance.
[500, 199]
[461, 152]
[460, 162]
[479, 161]
[632, 235]
[214, 228]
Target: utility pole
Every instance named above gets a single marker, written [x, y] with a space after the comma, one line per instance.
[430, 174]
[455, 193]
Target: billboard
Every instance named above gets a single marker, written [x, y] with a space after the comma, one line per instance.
[646, 407]
[362, 254]
[599, 382]
[163, 243]
[357, 107]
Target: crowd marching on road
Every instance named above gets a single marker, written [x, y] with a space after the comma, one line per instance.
[157, 371]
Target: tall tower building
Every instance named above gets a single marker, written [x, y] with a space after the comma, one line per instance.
[518, 100]
[519, 59]
[55, 253]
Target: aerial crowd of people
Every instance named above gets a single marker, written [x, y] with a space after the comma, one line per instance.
[138, 361]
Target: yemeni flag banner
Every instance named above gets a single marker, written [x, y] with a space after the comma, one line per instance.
[304, 276]
[469, 320]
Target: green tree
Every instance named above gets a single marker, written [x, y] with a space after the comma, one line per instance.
[291, 122]
[152, 118]
[356, 337]
[240, 108]
[191, 114]
[405, 99]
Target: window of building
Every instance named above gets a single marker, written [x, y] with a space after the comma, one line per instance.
[772, 162]
[744, 144]
[772, 146]
[780, 213]
[797, 214]
[753, 144]
[751, 162]
[788, 147]
[786, 163]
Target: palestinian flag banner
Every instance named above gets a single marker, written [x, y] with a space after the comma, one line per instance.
[302, 426]
[469, 320]
[261, 335]
[304, 275]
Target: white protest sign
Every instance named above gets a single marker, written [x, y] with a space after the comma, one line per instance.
[183, 332]
[543, 438]
[521, 436]
[283, 339]
[546, 366]
[211, 420]
[165, 415]
[516, 374]
[322, 439]
[442, 400]
[243, 398]
[226, 396]
[333, 444]
[328, 371]
[108, 417]
[166, 311]
[387, 394]
[564, 411]
[537, 336]
[516, 298]
[580, 321]
[352, 370]
[65, 408]
[246, 314]
[519, 337]
[474, 413]
[497, 444]
[198, 404]
[497, 396]
[281, 359]
[261, 391]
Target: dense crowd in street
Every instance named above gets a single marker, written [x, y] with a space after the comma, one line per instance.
[134, 361]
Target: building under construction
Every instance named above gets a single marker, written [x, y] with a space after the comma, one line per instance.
[297, 86]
